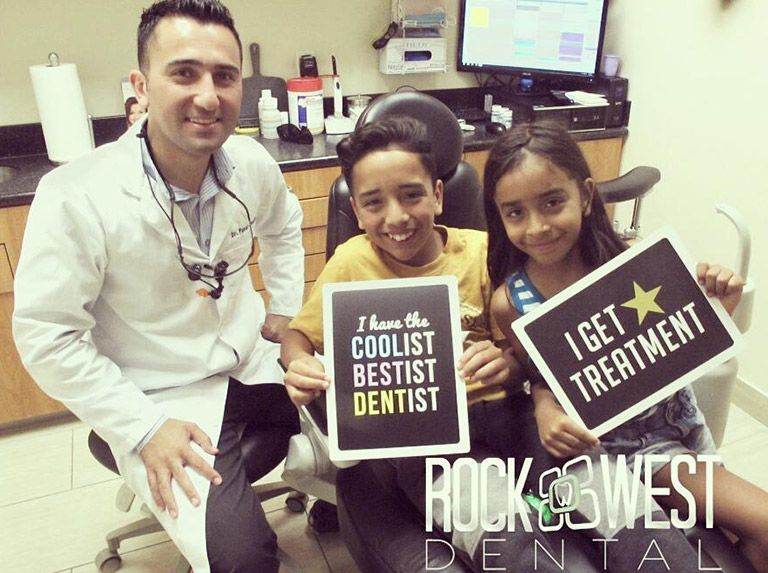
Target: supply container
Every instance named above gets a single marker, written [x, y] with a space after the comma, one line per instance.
[259, 106]
[506, 118]
[496, 111]
[305, 103]
[356, 105]
[269, 116]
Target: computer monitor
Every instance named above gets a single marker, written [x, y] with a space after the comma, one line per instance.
[532, 39]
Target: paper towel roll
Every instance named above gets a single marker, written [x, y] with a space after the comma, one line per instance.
[62, 111]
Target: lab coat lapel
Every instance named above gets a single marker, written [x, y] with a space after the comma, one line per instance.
[229, 222]
[156, 209]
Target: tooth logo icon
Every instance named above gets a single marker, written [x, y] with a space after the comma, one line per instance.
[564, 494]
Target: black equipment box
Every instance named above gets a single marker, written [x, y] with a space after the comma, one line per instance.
[574, 117]
[615, 89]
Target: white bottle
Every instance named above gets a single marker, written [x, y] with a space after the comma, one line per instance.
[264, 94]
[270, 117]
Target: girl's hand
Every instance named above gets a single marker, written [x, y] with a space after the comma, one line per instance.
[721, 282]
[560, 435]
[485, 362]
[305, 379]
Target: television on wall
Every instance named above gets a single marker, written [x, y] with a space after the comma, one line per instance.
[534, 40]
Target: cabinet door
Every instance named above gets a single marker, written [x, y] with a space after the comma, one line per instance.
[602, 155]
[312, 183]
[311, 187]
[22, 399]
[6, 272]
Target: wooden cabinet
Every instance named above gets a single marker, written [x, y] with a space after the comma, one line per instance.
[603, 157]
[311, 187]
[21, 398]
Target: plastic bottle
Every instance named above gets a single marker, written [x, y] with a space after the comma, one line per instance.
[305, 103]
[270, 117]
[260, 106]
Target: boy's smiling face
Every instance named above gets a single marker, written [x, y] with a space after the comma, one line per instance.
[396, 203]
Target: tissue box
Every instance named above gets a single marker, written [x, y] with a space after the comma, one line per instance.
[412, 56]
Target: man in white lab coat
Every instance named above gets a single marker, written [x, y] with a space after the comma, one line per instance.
[134, 304]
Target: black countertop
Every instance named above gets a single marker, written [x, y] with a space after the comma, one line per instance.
[21, 189]
[290, 156]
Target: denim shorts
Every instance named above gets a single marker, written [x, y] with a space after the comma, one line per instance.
[676, 426]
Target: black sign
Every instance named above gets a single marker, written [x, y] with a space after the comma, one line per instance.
[628, 335]
[393, 347]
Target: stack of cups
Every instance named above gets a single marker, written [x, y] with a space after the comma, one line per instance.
[356, 105]
[501, 114]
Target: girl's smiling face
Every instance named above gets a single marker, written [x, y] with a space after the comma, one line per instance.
[542, 210]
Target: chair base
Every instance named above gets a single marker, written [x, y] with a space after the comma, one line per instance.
[108, 560]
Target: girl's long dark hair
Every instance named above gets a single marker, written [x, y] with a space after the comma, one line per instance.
[598, 242]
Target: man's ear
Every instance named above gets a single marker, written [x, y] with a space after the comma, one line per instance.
[588, 195]
[139, 82]
[439, 193]
[354, 209]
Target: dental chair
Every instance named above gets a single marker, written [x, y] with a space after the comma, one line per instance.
[383, 531]
[263, 448]
[463, 190]
[308, 467]
[714, 390]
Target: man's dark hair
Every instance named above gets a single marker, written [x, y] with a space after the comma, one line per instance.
[401, 132]
[204, 11]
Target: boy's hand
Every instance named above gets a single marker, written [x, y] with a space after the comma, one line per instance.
[305, 378]
[485, 362]
[721, 282]
[560, 435]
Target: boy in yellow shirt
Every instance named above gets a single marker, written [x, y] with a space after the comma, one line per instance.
[396, 196]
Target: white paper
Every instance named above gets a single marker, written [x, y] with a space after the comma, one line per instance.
[62, 111]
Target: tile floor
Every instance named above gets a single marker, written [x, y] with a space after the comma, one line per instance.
[56, 505]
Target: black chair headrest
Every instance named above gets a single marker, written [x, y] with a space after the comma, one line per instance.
[444, 131]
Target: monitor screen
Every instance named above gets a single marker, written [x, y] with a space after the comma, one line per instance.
[537, 36]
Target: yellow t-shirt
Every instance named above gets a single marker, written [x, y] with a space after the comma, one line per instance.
[463, 256]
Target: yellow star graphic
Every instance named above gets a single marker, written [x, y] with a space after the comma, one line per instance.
[644, 302]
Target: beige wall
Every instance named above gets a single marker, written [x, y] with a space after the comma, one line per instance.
[99, 36]
[698, 84]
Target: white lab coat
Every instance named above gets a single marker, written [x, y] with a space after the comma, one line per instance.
[106, 319]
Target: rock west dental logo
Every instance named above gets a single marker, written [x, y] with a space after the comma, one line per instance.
[605, 488]
[564, 494]
[568, 492]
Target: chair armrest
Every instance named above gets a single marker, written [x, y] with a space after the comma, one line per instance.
[308, 466]
[315, 417]
[631, 185]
